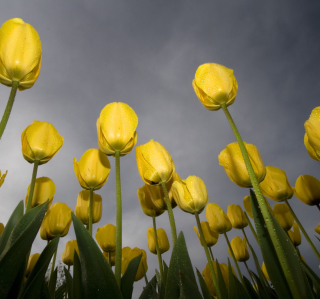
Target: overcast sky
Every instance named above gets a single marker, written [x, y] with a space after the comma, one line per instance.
[145, 53]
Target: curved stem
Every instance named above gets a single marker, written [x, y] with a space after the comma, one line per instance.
[245, 235]
[145, 274]
[90, 211]
[170, 213]
[157, 248]
[33, 181]
[7, 111]
[251, 227]
[211, 254]
[253, 284]
[53, 264]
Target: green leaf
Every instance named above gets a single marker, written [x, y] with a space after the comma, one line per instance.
[77, 283]
[265, 292]
[317, 238]
[165, 271]
[19, 282]
[60, 292]
[97, 277]
[221, 283]
[188, 290]
[149, 292]
[236, 289]
[252, 292]
[205, 291]
[69, 283]
[53, 283]
[313, 276]
[45, 294]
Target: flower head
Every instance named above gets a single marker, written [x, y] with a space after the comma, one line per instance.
[31, 263]
[2, 177]
[312, 127]
[307, 189]
[295, 235]
[106, 237]
[129, 254]
[283, 215]
[236, 217]
[163, 241]
[147, 205]
[210, 236]
[82, 207]
[217, 219]
[239, 248]
[68, 253]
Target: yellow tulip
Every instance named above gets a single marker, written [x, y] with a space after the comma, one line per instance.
[163, 241]
[20, 54]
[210, 236]
[31, 263]
[214, 84]
[312, 127]
[106, 237]
[239, 247]
[147, 205]
[264, 271]
[112, 257]
[310, 149]
[2, 177]
[68, 253]
[1, 228]
[82, 207]
[129, 254]
[116, 128]
[247, 205]
[283, 215]
[40, 141]
[295, 235]
[232, 161]
[276, 185]
[217, 219]
[317, 229]
[236, 216]
[44, 189]
[92, 170]
[155, 164]
[190, 194]
[307, 189]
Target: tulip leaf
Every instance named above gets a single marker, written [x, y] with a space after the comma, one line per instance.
[236, 289]
[18, 246]
[250, 289]
[149, 292]
[53, 283]
[127, 279]
[45, 293]
[165, 271]
[97, 277]
[77, 283]
[69, 283]
[221, 283]
[18, 282]
[205, 291]
[265, 292]
[313, 276]
[188, 290]
[60, 292]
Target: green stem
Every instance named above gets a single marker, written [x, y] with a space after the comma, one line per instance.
[53, 264]
[109, 258]
[245, 235]
[118, 221]
[33, 181]
[145, 274]
[90, 211]
[170, 213]
[251, 227]
[157, 248]
[7, 111]
[253, 284]
[211, 254]
[206, 250]
[303, 230]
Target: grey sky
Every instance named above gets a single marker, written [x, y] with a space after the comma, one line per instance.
[145, 53]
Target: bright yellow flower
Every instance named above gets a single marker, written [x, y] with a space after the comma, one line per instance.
[31, 263]
[214, 84]
[236, 216]
[1, 228]
[106, 237]
[82, 207]
[155, 164]
[92, 170]
[2, 177]
[163, 241]
[68, 253]
[295, 235]
[190, 194]
[247, 205]
[20, 53]
[40, 141]
[283, 215]
[217, 219]
[210, 236]
[307, 189]
[317, 229]
[146, 203]
[264, 270]
[112, 257]
[116, 128]
[310, 149]
[240, 250]
[312, 127]
[232, 161]
[129, 254]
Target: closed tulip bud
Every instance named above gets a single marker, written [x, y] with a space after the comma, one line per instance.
[106, 237]
[214, 84]
[239, 247]
[190, 194]
[44, 189]
[40, 141]
[146, 203]
[163, 241]
[1, 228]
[283, 215]
[82, 207]
[129, 254]
[2, 177]
[236, 217]
[247, 205]
[112, 257]
[155, 164]
[116, 128]
[264, 271]
[232, 161]
[295, 235]
[68, 253]
[210, 236]
[92, 170]
[310, 149]
[276, 185]
[217, 219]
[20, 53]
[317, 229]
[307, 189]
[312, 126]
[31, 263]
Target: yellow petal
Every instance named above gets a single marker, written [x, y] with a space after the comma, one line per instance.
[44, 189]
[82, 207]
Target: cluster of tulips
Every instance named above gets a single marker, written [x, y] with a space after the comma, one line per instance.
[23, 276]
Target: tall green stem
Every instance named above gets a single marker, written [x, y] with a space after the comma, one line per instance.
[249, 272]
[206, 250]
[245, 235]
[145, 274]
[90, 211]
[118, 221]
[33, 181]
[53, 264]
[170, 213]
[7, 111]
[157, 247]
[211, 254]
[251, 227]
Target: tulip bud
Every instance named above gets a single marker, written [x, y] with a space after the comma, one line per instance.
[236, 217]
[283, 215]
[190, 194]
[210, 236]
[82, 207]
[317, 229]
[1, 228]
[264, 271]
[31, 263]
[146, 203]
[232, 161]
[217, 219]
[129, 254]
[2, 177]
[312, 126]
[239, 247]
[106, 237]
[163, 241]
[295, 235]
[214, 84]
[68, 253]
[155, 164]
[247, 205]
[112, 257]
[40, 141]
[116, 129]
[20, 54]
[310, 149]
[307, 189]
[92, 170]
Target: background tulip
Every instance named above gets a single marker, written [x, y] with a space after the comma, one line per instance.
[264, 270]
[31, 263]
[82, 207]
[317, 229]
[295, 235]
[217, 219]
[68, 253]
[283, 215]
[312, 127]
[236, 217]
[1, 228]
[106, 237]
[210, 236]
[128, 254]
[239, 247]
[307, 189]
[147, 204]
[310, 149]
[2, 177]
[163, 241]
[247, 205]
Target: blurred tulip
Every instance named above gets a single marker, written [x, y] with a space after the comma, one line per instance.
[217, 219]
[116, 128]
[307, 189]
[146, 203]
[68, 253]
[1, 228]
[112, 257]
[317, 229]
[264, 270]
[214, 84]
[295, 235]
[20, 53]
[163, 241]
[129, 254]
[232, 161]
[247, 205]
[40, 141]
[31, 263]
[236, 217]
[210, 236]
[239, 247]
[312, 127]
[190, 194]
[2, 177]
[310, 149]
[283, 215]
[82, 207]
[155, 164]
[106, 237]
[92, 170]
